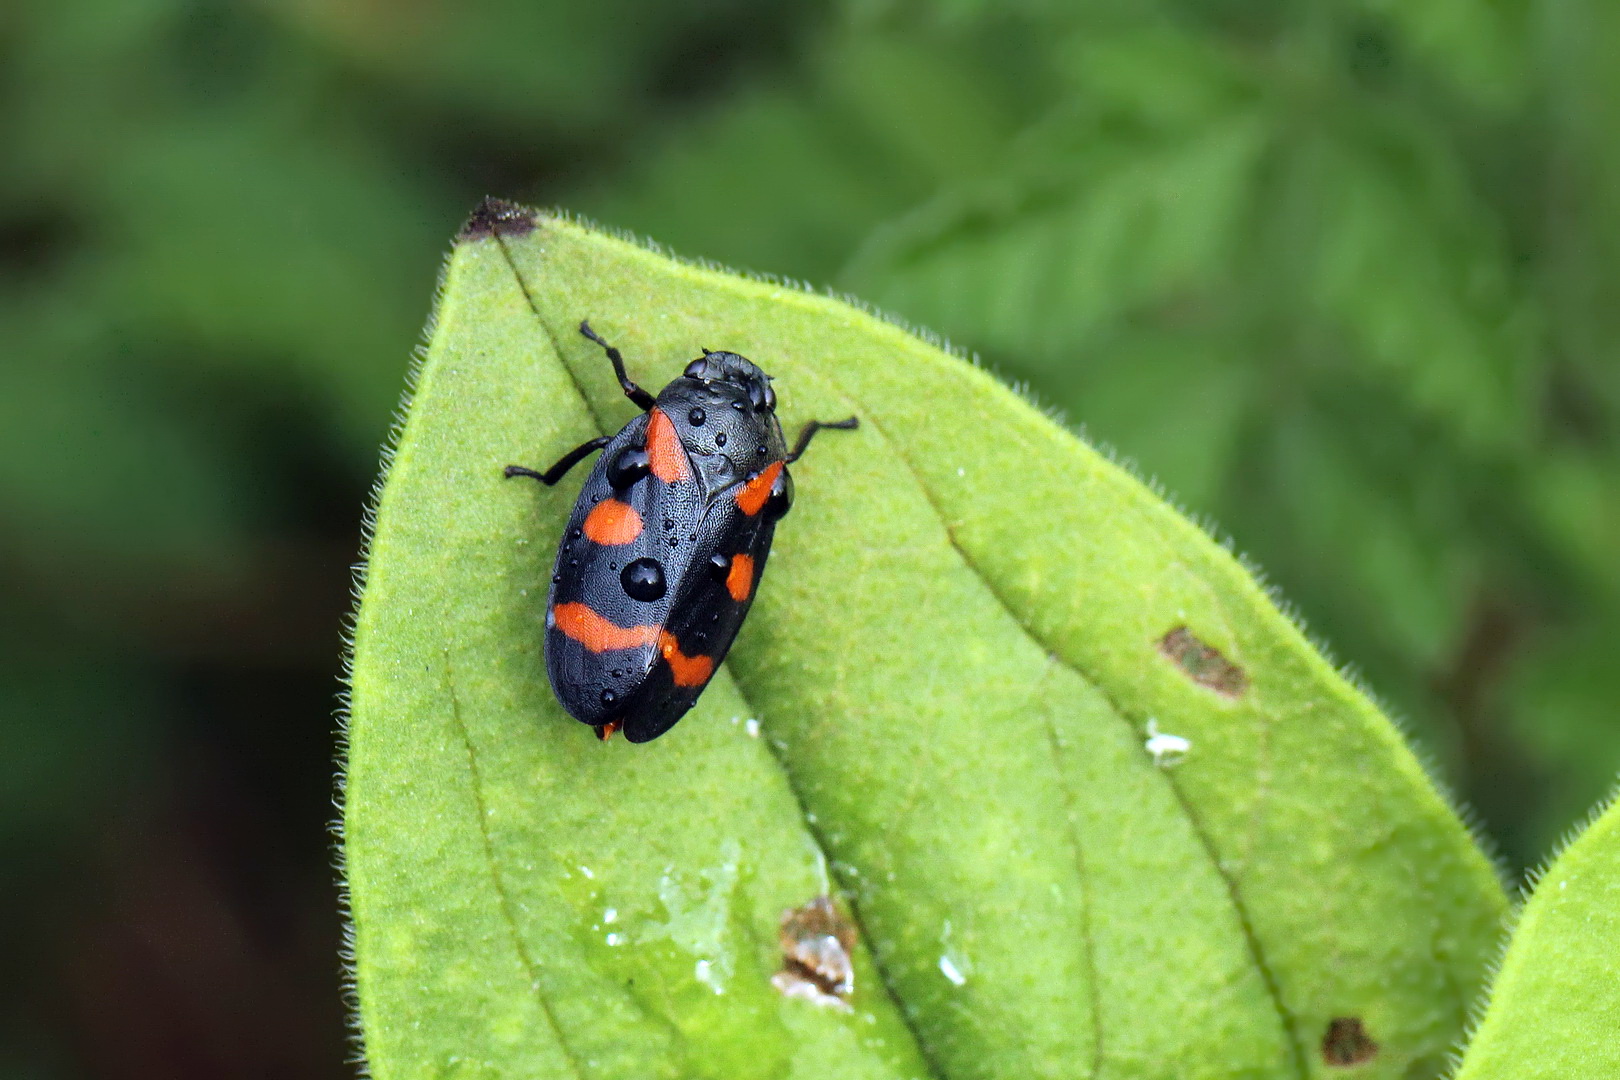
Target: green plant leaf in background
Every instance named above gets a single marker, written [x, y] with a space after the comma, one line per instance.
[1555, 1003]
[971, 623]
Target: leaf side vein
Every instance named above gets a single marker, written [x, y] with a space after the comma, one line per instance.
[508, 915]
[1251, 939]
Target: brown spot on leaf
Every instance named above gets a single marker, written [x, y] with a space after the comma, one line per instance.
[497, 217]
[816, 945]
[1347, 1042]
[1203, 664]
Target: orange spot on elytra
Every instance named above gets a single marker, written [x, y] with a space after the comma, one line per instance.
[612, 522]
[752, 495]
[665, 455]
[579, 622]
[688, 670]
[740, 578]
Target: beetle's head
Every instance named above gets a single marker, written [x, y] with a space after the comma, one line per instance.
[737, 371]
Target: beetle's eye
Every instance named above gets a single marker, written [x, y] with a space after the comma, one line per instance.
[780, 500]
[770, 396]
[756, 395]
[698, 369]
[628, 466]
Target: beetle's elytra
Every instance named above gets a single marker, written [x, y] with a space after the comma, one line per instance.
[664, 550]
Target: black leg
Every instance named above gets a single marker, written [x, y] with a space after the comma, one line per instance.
[809, 432]
[635, 393]
[569, 460]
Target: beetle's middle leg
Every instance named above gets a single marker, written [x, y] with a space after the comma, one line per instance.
[568, 461]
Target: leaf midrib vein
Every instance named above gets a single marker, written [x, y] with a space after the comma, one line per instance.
[888, 985]
[1251, 939]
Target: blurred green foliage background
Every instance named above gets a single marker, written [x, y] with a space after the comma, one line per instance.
[1342, 274]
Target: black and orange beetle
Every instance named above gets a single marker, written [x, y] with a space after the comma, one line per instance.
[666, 545]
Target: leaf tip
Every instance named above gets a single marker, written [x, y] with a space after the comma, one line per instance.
[497, 217]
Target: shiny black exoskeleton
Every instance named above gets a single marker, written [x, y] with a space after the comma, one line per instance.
[664, 550]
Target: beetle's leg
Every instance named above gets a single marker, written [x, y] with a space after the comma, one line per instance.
[635, 393]
[569, 460]
[809, 432]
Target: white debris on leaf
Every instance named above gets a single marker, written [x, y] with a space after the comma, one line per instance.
[795, 986]
[1167, 749]
[816, 964]
[703, 971]
[949, 969]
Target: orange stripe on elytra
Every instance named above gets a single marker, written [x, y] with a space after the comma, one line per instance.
[665, 455]
[740, 578]
[688, 670]
[579, 622]
[612, 522]
[752, 495]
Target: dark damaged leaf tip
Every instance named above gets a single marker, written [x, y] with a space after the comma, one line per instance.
[816, 947]
[1203, 664]
[497, 217]
[1347, 1042]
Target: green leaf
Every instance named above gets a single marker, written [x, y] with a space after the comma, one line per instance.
[1053, 258]
[1560, 702]
[1479, 51]
[1399, 261]
[873, 125]
[1555, 1004]
[971, 620]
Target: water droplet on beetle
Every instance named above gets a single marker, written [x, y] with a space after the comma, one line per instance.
[719, 438]
[644, 580]
[628, 466]
[697, 416]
